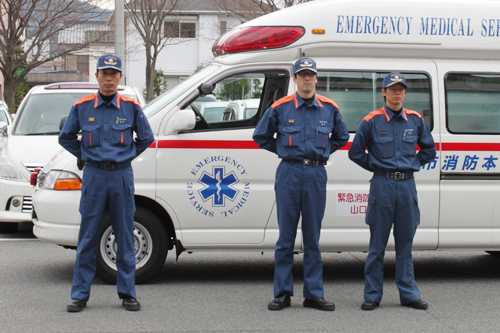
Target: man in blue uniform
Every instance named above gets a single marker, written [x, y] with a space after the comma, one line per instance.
[391, 135]
[107, 120]
[309, 128]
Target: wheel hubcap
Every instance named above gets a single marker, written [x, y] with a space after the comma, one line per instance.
[143, 246]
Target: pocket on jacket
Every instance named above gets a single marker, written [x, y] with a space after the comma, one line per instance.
[290, 136]
[122, 135]
[91, 136]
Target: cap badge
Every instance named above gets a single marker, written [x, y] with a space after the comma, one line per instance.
[396, 78]
[306, 63]
[110, 61]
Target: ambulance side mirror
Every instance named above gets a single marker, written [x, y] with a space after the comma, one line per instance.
[206, 89]
[183, 120]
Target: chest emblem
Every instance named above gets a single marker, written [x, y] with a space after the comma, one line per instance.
[120, 120]
[291, 121]
[383, 132]
[92, 119]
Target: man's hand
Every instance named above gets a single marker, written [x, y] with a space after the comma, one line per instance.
[80, 164]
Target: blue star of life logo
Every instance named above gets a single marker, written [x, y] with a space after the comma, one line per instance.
[218, 186]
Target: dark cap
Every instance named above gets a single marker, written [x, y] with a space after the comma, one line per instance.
[109, 61]
[304, 63]
[394, 78]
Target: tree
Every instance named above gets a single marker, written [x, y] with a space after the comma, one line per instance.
[27, 28]
[234, 89]
[160, 85]
[246, 10]
[148, 16]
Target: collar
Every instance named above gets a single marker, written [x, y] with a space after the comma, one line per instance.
[390, 113]
[115, 101]
[299, 101]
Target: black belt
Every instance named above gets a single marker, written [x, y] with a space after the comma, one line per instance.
[307, 162]
[108, 166]
[397, 175]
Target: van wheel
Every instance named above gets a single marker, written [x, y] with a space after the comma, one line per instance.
[150, 243]
[494, 253]
[8, 227]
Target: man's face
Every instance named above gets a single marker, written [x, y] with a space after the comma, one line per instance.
[394, 96]
[108, 80]
[306, 81]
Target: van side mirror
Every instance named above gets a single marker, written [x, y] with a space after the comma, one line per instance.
[183, 120]
[61, 123]
[206, 89]
[3, 128]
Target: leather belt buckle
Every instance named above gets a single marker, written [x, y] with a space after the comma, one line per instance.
[399, 175]
[307, 162]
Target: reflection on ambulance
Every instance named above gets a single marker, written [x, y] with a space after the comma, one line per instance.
[205, 185]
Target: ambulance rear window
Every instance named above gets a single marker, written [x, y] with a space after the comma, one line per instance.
[358, 93]
[473, 103]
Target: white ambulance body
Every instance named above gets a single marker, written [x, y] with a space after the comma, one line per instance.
[208, 186]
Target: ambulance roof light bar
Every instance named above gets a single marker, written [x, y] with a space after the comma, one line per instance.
[256, 38]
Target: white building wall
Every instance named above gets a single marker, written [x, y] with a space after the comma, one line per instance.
[180, 59]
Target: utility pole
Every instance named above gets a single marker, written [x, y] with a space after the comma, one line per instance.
[120, 36]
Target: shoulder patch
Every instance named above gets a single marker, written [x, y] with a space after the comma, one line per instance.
[128, 99]
[283, 100]
[413, 113]
[326, 100]
[85, 99]
[374, 114]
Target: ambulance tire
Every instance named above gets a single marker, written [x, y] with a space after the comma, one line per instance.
[8, 227]
[149, 235]
[494, 253]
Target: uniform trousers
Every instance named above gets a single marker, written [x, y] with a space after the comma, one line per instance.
[299, 189]
[101, 190]
[391, 204]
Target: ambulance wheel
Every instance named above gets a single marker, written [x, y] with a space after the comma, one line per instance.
[150, 243]
[8, 227]
[494, 253]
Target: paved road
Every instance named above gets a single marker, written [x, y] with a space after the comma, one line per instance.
[229, 292]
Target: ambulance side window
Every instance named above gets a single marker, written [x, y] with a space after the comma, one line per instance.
[472, 103]
[240, 100]
[358, 93]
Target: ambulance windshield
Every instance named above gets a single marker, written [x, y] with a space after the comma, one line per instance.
[168, 97]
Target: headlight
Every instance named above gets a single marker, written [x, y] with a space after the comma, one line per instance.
[59, 180]
[8, 171]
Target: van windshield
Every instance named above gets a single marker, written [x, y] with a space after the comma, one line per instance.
[42, 113]
[168, 97]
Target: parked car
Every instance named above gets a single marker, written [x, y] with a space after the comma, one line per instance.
[5, 123]
[32, 141]
[213, 111]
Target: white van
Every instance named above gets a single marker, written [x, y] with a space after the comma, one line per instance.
[205, 186]
[32, 141]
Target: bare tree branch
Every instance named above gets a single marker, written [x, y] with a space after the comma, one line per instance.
[148, 16]
[247, 10]
[27, 27]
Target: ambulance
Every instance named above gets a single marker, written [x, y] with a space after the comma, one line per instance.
[206, 186]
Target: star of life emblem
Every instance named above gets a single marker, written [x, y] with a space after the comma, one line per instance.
[218, 186]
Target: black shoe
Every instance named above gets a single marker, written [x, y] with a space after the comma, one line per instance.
[279, 303]
[76, 305]
[417, 304]
[320, 304]
[369, 305]
[131, 304]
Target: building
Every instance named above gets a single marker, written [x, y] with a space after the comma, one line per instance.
[191, 31]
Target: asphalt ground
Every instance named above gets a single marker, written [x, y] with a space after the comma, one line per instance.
[229, 292]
